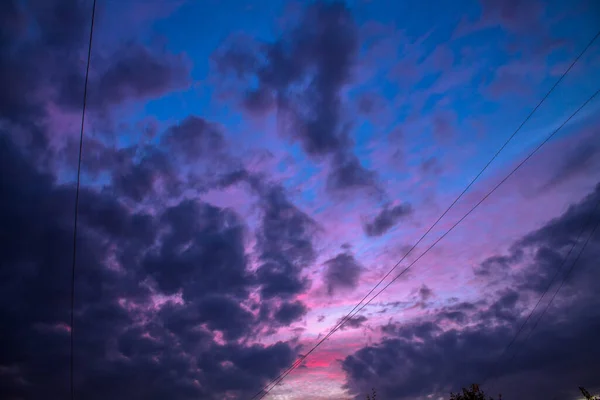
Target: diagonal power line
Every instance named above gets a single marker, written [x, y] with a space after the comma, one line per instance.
[74, 258]
[587, 224]
[263, 392]
[437, 240]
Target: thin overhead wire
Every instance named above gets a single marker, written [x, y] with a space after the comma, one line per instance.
[444, 235]
[74, 258]
[265, 390]
[586, 225]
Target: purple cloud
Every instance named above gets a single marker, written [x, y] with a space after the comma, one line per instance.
[386, 219]
[302, 75]
[403, 363]
[353, 322]
[342, 273]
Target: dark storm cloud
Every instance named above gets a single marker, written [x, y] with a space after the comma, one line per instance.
[151, 171]
[129, 343]
[136, 180]
[459, 344]
[416, 360]
[421, 359]
[224, 314]
[342, 273]
[252, 364]
[24, 63]
[285, 245]
[285, 230]
[201, 252]
[290, 311]
[17, 79]
[549, 245]
[36, 231]
[302, 74]
[321, 47]
[32, 60]
[125, 346]
[503, 308]
[386, 219]
[280, 278]
[326, 40]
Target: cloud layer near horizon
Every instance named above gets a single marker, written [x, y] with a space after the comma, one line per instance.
[244, 184]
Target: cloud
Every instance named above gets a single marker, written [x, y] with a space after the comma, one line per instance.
[191, 155]
[137, 180]
[285, 248]
[460, 343]
[443, 127]
[132, 72]
[547, 245]
[289, 312]
[194, 138]
[342, 273]
[577, 161]
[386, 219]
[135, 72]
[347, 173]
[286, 231]
[320, 48]
[302, 74]
[202, 251]
[431, 166]
[518, 16]
[126, 344]
[44, 65]
[353, 322]
[424, 293]
[280, 278]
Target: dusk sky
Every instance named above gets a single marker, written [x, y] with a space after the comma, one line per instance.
[251, 169]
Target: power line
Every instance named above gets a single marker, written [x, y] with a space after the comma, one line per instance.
[565, 277]
[264, 391]
[446, 233]
[87, 73]
[550, 284]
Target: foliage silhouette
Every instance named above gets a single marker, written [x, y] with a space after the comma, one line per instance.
[472, 393]
[373, 395]
[587, 394]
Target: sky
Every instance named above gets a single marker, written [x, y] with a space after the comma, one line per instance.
[250, 170]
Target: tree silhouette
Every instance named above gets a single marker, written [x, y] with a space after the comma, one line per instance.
[472, 393]
[373, 395]
[587, 394]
